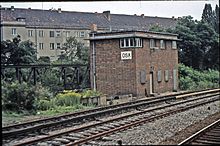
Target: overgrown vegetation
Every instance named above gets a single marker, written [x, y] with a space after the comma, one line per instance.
[24, 97]
[191, 79]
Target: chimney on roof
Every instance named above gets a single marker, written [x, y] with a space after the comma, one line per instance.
[93, 27]
[107, 15]
[12, 8]
[59, 10]
[142, 15]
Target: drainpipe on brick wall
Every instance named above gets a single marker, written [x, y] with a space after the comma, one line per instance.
[93, 63]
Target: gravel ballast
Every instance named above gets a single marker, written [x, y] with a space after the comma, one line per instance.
[160, 131]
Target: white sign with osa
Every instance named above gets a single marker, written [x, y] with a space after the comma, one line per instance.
[126, 55]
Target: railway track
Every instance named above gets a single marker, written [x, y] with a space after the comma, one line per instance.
[90, 132]
[78, 117]
[207, 136]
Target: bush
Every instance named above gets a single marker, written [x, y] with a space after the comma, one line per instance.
[43, 92]
[18, 97]
[90, 93]
[67, 99]
[45, 104]
[191, 79]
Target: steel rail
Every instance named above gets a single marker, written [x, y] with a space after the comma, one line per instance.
[98, 109]
[93, 137]
[213, 139]
[78, 118]
[104, 122]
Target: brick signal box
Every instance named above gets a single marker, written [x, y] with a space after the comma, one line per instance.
[140, 63]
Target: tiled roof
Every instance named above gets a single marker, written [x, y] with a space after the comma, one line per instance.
[65, 19]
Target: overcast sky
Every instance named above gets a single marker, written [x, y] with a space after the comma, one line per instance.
[148, 8]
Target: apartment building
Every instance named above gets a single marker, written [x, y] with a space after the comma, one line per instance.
[48, 29]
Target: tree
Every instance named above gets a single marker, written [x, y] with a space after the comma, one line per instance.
[17, 52]
[211, 17]
[216, 22]
[199, 45]
[188, 46]
[74, 52]
[209, 41]
[207, 15]
[44, 60]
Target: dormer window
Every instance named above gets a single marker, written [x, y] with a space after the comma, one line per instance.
[20, 19]
[130, 42]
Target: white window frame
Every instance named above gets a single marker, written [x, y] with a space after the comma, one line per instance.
[58, 33]
[138, 42]
[58, 45]
[67, 34]
[41, 46]
[14, 31]
[52, 46]
[152, 43]
[41, 33]
[82, 34]
[30, 33]
[51, 36]
[162, 44]
[77, 34]
[130, 42]
[174, 45]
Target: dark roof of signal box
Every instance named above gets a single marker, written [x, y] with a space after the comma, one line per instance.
[65, 19]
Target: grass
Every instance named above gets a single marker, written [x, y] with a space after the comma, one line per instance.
[63, 110]
[15, 118]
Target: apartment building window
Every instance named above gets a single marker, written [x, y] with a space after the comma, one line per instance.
[77, 34]
[162, 44]
[67, 34]
[51, 33]
[82, 34]
[14, 31]
[41, 33]
[58, 33]
[52, 46]
[130, 42]
[174, 46]
[41, 46]
[152, 43]
[30, 33]
[58, 45]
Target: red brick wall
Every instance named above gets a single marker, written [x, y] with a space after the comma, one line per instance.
[163, 59]
[113, 76]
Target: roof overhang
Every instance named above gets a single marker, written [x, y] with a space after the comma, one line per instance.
[143, 35]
